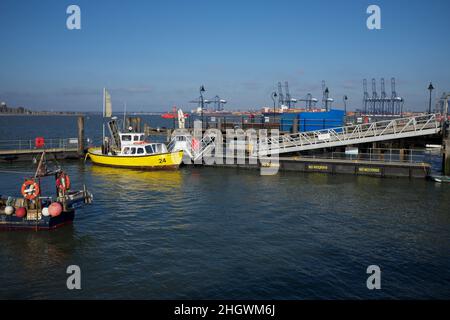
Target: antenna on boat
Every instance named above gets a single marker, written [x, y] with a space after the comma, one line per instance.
[41, 170]
[103, 118]
[124, 115]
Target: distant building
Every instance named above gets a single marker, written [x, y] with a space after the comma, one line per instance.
[20, 110]
[3, 107]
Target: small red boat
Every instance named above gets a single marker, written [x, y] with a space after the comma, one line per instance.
[172, 115]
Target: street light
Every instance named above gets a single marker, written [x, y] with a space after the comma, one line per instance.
[274, 95]
[327, 92]
[202, 89]
[430, 87]
[345, 109]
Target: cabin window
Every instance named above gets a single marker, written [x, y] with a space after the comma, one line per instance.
[140, 151]
[142, 137]
[136, 138]
[158, 148]
[133, 150]
[126, 138]
[149, 149]
[126, 150]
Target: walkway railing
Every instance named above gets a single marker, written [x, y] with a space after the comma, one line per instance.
[377, 155]
[355, 134]
[54, 143]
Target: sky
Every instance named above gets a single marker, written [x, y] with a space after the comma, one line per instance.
[156, 54]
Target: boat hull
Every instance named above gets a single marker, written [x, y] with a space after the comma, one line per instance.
[162, 161]
[46, 223]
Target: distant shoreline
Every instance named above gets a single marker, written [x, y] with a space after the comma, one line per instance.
[40, 114]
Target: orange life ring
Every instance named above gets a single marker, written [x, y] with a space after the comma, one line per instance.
[63, 182]
[30, 189]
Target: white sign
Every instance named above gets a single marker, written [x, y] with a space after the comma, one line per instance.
[324, 136]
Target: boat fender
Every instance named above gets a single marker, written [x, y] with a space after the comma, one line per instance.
[45, 212]
[9, 210]
[55, 209]
[30, 189]
[21, 212]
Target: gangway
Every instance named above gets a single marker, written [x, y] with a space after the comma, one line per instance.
[355, 134]
[348, 135]
[193, 148]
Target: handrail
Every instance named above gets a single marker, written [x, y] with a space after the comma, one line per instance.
[29, 144]
[351, 134]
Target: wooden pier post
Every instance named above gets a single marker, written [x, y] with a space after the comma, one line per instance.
[138, 124]
[219, 124]
[446, 139]
[295, 125]
[81, 136]
[446, 156]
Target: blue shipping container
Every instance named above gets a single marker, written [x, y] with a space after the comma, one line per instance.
[310, 121]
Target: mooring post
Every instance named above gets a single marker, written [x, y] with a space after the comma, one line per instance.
[80, 136]
[219, 124]
[295, 125]
[446, 155]
[445, 139]
[138, 124]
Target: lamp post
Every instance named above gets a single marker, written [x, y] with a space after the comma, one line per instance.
[327, 92]
[274, 95]
[345, 109]
[202, 89]
[430, 88]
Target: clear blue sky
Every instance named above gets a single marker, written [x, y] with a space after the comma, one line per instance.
[155, 54]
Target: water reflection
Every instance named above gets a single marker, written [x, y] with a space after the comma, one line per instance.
[137, 180]
[37, 253]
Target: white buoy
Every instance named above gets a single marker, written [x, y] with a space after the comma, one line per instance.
[45, 212]
[9, 210]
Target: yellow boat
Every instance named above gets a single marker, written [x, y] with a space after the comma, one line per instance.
[134, 152]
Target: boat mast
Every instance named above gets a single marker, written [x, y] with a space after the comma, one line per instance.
[103, 118]
[124, 115]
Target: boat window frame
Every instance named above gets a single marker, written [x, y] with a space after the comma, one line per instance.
[126, 137]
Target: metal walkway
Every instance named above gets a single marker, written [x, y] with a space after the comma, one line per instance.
[348, 135]
[355, 134]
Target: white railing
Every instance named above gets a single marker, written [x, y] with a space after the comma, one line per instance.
[196, 148]
[30, 144]
[361, 133]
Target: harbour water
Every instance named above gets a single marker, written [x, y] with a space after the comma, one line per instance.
[212, 233]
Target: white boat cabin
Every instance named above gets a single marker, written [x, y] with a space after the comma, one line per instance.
[131, 138]
[134, 144]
